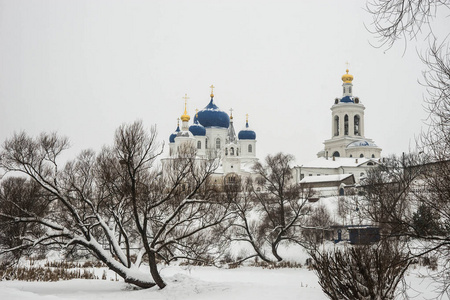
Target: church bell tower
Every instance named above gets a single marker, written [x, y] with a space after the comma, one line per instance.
[347, 127]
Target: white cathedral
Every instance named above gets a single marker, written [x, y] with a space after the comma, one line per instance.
[344, 160]
[348, 154]
[212, 133]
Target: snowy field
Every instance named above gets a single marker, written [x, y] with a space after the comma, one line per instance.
[201, 283]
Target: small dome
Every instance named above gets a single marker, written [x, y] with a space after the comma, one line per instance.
[347, 99]
[212, 116]
[362, 143]
[185, 117]
[197, 129]
[174, 135]
[247, 133]
[347, 78]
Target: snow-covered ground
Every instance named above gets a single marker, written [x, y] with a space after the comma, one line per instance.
[195, 283]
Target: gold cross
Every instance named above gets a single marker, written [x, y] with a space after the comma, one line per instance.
[196, 112]
[178, 121]
[231, 113]
[212, 90]
[347, 63]
[246, 117]
[185, 103]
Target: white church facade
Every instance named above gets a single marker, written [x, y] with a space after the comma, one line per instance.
[212, 134]
[347, 152]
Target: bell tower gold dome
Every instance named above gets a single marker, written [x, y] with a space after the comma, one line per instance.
[347, 78]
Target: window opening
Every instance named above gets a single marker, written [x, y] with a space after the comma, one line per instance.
[346, 125]
[356, 126]
[336, 125]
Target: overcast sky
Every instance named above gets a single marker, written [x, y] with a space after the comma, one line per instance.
[82, 68]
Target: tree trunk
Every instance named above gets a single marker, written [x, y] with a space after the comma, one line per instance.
[154, 270]
[145, 284]
[275, 252]
[140, 283]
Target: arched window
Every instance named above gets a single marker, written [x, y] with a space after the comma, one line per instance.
[373, 155]
[217, 143]
[336, 125]
[206, 143]
[336, 154]
[350, 90]
[351, 155]
[361, 155]
[226, 151]
[370, 163]
[237, 152]
[199, 145]
[346, 125]
[344, 90]
[250, 149]
[356, 126]
[231, 151]
[341, 192]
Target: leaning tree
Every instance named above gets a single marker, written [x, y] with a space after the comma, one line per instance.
[118, 204]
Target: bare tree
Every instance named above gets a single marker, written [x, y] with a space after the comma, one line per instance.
[361, 272]
[388, 191]
[272, 208]
[19, 197]
[408, 198]
[402, 19]
[119, 204]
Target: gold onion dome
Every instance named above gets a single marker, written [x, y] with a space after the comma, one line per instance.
[185, 117]
[347, 78]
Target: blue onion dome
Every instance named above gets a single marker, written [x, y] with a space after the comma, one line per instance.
[174, 135]
[247, 133]
[347, 99]
[212, 116]
[197, 129]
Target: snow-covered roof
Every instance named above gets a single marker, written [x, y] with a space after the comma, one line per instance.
[362, 143]
[325, 178]
[247, 167]
[338, 162]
